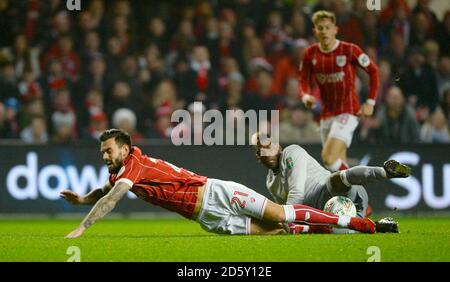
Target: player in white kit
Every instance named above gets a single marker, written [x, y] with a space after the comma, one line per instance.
[295, 177]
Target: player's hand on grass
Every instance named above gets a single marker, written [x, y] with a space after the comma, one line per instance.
[365, 111]
[71, 197]
[309, 101]
[76, 233]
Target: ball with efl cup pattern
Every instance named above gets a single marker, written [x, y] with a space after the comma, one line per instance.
[340, 205]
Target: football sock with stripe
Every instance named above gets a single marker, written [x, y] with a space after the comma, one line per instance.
[360, 175]
[307, 214]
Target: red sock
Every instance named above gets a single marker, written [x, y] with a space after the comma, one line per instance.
[338, 165]
[298, 228]
[343, 166]
[312, 215]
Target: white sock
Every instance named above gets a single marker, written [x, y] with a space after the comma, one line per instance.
[383, 172]
[344, 231]
[344, 220]
[289, 213]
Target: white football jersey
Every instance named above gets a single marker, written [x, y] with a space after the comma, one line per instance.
[299, 173]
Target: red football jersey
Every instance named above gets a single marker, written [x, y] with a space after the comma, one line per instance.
[335, 74]
[160, 183]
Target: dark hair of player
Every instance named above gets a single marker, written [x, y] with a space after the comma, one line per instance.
[120, 136]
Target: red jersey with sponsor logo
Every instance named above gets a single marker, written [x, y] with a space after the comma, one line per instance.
[159, 182]
[335, 74]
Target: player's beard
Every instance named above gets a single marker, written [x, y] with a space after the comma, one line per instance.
[272, 158]
[117, 164]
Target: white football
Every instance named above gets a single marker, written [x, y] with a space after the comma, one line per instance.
[340, 205]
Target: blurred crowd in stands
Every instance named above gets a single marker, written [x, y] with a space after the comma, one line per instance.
[67, 75]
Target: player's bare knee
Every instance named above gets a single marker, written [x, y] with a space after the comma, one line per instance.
[328, 159]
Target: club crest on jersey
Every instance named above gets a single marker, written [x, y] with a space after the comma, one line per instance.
[314, 61]
[289, 163]
[364, 60]
[341, 61]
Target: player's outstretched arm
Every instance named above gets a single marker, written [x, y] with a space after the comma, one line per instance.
[89, 199]
[101, 208]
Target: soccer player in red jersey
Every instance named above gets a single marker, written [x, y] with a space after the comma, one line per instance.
[219, 206]
[333, 64]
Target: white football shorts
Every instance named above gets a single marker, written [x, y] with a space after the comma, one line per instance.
[227, 207]
[340, 127]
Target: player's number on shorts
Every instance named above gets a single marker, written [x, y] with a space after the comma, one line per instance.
[238, 201]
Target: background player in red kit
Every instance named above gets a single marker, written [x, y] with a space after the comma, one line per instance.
[219, 206]
[333, 64]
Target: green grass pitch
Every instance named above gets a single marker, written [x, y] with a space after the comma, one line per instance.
[421, 239]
